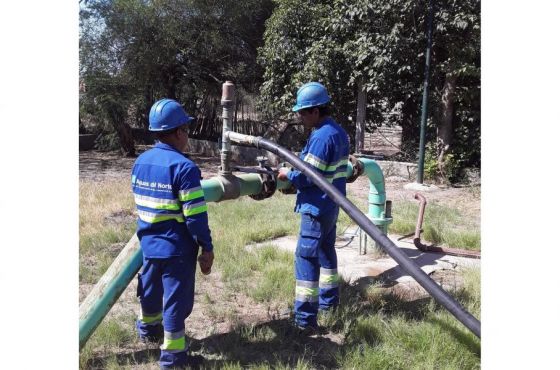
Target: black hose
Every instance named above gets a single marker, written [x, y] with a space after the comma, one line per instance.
[440, 295]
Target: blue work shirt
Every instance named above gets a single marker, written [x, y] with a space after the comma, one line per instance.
[327, 150]
[172, 212]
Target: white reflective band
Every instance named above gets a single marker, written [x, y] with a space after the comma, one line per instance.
[175, 335]
[156, 203]
[328, 285]
[307, 284]
[158, 217]
[193, 205]
[315, 162]
[323, 271]
[190, 194]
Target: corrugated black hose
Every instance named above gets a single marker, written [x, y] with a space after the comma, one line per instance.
[440, 295]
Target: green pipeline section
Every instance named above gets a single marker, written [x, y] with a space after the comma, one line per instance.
[125, 266]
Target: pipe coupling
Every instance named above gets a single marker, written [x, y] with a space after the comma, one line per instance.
[357, 169]
[228, 91]
[230, 185]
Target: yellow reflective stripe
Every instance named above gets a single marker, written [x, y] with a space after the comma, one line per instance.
[315, 162]
[342, 162]
[173, 344]
[187, 211]
[320, 164]
[338, 175]
[154, 217]
[185, 195]
[307, 291]
[329, 279]
[150, 319]
[167, 204]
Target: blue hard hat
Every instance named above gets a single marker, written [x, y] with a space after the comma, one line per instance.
[167, 114]
[310, 95]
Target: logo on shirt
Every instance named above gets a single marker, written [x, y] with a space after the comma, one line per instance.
[154, 185]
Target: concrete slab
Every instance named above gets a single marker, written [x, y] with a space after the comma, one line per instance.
[420, 187]
[379, 268]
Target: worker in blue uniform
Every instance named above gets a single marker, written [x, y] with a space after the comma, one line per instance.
[172, 226]
[326, 151]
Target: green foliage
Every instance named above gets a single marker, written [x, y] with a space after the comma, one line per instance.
[381, 45]
[107, 142]
[134, 52]
[451, 167]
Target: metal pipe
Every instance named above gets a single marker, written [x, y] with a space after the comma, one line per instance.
[228, 91]
[431, 248]
[422, 146]
[377, 196]
[440, 295]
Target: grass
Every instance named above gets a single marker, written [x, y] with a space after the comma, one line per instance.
[112, 333]
[442, 225]
[106, 222]
[377, 329]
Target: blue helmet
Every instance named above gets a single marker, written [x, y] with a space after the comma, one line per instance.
[310, 95]
[167, 114]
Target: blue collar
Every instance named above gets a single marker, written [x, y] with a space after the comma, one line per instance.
[325, 121]
[165, 146]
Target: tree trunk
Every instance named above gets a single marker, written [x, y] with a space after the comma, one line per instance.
[123, 131]
[445, 126]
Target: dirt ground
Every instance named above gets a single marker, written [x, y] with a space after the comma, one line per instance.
[100, 165]
[217, 311]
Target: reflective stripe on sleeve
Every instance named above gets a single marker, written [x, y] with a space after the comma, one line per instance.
[157, 203]
[194, 208]
[153, 218]
[338, 167]
[315, 162]
[190, 194]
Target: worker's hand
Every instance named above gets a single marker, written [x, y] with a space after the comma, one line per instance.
[283, 173]
[205, 261]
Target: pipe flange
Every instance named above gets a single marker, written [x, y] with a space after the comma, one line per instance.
[292, 189]
[357, 169]
[268, 185]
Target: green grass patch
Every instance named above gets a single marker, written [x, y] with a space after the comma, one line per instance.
[112, 333]
[442, 225]
[378, 330]
[107, 221]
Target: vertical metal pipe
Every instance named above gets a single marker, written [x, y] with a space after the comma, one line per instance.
[228, 91]
[421, 150]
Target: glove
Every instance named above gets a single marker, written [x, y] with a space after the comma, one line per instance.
[205, 261]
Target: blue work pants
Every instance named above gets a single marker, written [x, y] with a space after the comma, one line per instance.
[316, 267]
[166, 293]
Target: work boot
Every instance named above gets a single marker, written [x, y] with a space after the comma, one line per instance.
[154, 336]
[155, 339]
[309, 330]
[192, 362]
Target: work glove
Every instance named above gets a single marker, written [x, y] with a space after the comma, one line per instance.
[205, 261]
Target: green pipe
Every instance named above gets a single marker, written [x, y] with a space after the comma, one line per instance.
[117, 277]
[125, 266]
[376, 198]
[422, 145]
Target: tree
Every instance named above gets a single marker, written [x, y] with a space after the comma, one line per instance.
[382, 43]
[140, 51]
